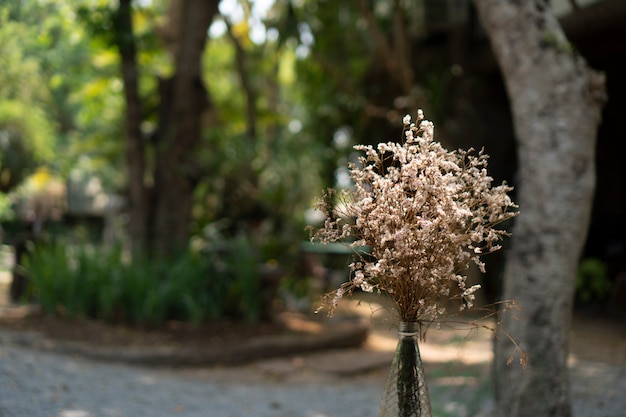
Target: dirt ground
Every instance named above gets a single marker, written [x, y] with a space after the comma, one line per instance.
[457, 363]
[29, 319]
[98, 333]
[594, 336]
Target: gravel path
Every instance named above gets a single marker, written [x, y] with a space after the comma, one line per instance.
[347, 383]
[598, 390]
[34, 383]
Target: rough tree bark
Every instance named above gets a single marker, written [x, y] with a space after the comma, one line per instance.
[243, 69]
[184, 103]
[394, 52]
[556, 101]
[135, 152]
[159, 217]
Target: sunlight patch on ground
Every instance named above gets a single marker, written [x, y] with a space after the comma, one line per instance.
[446, 345]
[74, 413]
[5, 284]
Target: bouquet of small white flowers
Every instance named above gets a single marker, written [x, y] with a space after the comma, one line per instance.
[417, 217]
[423, 214]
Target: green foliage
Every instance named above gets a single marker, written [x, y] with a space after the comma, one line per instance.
[315, 74]
[247, 286]
[269, 178]
[20, 74]
[6, 212]
[26, 130]
[26, 140]
[194, 287]
[592, 283]
[70, 90]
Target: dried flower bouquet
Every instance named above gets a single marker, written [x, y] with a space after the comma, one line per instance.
[424, 214]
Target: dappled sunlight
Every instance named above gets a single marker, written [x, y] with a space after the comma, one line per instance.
[457, 381]
[74, 413]
[5, 282]
[297, 323]
[147, 379]
[460, 343]
[379, 342]
[461, 350]
[465, 354]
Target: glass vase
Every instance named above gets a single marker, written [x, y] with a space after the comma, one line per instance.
[406, 393]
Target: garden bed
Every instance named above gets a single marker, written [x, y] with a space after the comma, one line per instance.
[179, 344]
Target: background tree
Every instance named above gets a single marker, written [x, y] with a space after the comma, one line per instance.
[25, 142]
[556, 101]
[237, 159]
[26, 139]
[135, 148]
[184, 103]
[161, 198]
[55, 113]
[365, 64]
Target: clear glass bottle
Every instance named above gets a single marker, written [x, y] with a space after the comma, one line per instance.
[406, 392]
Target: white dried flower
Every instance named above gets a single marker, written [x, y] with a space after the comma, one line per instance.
[425, 213]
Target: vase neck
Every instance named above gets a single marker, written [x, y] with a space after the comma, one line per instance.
[408, 328]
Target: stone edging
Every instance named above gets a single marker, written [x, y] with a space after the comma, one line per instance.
[307, 336]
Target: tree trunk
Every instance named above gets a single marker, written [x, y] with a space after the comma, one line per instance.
[246, 83]
[556, 101]
[184, 103]
[134, 139]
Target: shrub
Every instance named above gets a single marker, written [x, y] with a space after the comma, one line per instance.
[96, 282]
[593, 285]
